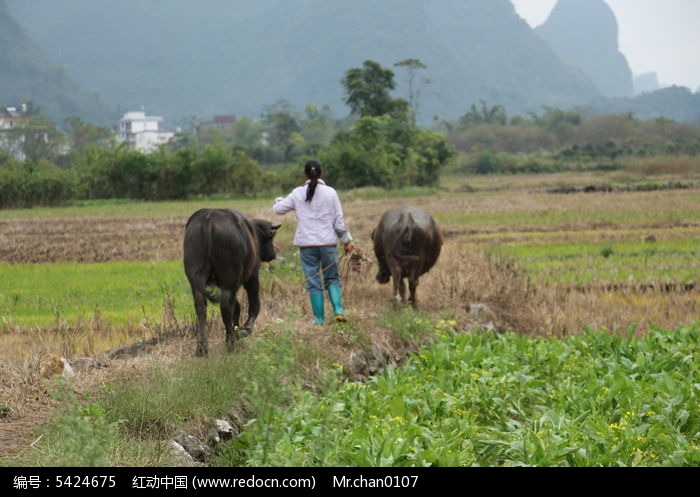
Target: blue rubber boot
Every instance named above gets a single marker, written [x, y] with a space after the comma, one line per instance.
[317, 307]
[337, 303]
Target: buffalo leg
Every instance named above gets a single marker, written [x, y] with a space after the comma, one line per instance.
[399, 287]
[412, 287]
[402, 290]
[228, 311]
[200, 307]
[252, 288]
[236, 314]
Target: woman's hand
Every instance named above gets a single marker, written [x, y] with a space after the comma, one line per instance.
[349, 248]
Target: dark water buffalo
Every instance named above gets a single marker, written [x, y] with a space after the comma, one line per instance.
[223, 249]
[407, 243]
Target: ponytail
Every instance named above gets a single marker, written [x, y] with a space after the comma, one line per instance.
[313, 171]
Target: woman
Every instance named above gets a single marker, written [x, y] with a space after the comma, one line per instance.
[320, 225]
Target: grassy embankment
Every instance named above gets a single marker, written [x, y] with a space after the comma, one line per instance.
[590, 259]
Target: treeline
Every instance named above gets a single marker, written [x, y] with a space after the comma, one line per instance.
[560, 140]
[378, 145]
[555, 129]
[376, 151]
[381, 151]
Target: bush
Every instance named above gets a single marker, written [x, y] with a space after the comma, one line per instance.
[36, 184]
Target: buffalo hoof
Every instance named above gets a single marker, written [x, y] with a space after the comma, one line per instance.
[202, 350]
[244, 332]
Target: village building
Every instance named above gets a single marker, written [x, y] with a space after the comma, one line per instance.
[220, 125]
[14, 128]
[141, 132]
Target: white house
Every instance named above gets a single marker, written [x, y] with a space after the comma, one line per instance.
[141, 132]
[14, 128]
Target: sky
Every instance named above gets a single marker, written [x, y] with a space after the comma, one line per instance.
[662, 36]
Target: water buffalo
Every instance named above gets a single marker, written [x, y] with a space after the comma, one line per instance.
[223, 249]
[407, 243]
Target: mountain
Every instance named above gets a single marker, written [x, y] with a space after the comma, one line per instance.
[584, 33]
[180, 58]
[28, 74]
[674, 102]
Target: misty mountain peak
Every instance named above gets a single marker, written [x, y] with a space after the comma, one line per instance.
[184, 59]
[584, 33]
[589, 20]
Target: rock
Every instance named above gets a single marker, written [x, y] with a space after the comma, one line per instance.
[198, 450]
[220, 430]
[68, 371]
[182, 457]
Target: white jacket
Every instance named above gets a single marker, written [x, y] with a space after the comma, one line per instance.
[319, 222]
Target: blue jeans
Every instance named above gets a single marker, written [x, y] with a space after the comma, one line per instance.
[320, 262]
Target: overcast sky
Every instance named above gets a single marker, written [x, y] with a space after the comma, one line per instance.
[655, 35]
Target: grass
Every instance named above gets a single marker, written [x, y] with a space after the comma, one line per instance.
[522, 397]
[581, 219]
[75, 309]
[465, 399]
[594, 399]
[123, 293]
[86, 435]
[674, 261]
[127, 423]
[130, 208]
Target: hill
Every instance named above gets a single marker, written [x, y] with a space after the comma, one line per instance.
[180, 58]
[29, 75]
[675, 102]
[585, 34]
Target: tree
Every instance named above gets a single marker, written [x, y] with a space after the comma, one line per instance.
[81, 134]
[387, 153]
[247, 134]
[37, 139]
[368, 90]
[383, 148]
[317, 127]
[363, 156]
[432, 152]
[281, 123]
[555, 119]
[414, 90]
[484, 115]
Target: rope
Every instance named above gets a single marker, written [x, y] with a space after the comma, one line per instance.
[353, 265]
[320, 271]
